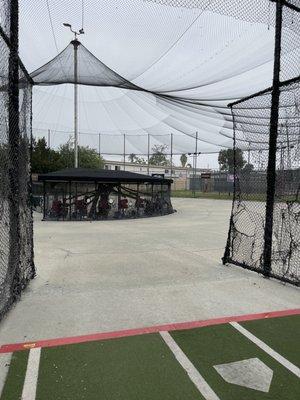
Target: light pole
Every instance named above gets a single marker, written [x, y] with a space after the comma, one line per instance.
[75, 44]
[195, 159]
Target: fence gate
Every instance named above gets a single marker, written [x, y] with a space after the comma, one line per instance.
[264, 232]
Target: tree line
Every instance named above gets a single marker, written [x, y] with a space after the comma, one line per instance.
[44, 159]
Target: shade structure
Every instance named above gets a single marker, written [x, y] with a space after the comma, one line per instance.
[94, 194]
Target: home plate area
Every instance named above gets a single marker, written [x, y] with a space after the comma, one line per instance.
[244, 360]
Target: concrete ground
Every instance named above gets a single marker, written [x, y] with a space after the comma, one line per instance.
[111, 275]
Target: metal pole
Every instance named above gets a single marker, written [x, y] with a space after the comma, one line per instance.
[138, 199]
[70, 200]
[271, 171]
[13, 146]
[124, 159]
[44, 200]
[99, 148]
[75, 43]
[49, 138]
[249, 144]
[171, 155]
[195, 164]
[148, 156]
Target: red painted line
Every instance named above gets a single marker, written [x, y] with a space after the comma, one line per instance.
[10, 348]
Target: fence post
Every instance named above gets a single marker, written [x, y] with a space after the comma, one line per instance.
[148, 155]
[171, 155]
[99, 144]
[124, 151]
[271, 170]
[14, 144]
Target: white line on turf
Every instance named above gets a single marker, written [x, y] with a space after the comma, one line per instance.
[193, 373]
[283, 361]
[4, 366]
[31, 377]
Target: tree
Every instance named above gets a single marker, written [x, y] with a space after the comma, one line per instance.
[183, 160]
[87, 157]
[158, 155]
[43, 159]
[226, 160]
[248, 168]
[133, 158]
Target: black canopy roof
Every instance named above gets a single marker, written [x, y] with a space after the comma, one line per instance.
[100, 175]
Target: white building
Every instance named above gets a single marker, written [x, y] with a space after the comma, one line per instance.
[180, 175]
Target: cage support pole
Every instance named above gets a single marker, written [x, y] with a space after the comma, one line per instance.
[75, 45]
[249, 146]
[271, 170]
[70, 200]
[138, 199]
[124, 152]
[148, 155]
[44, 200]
[14, 142]
[119, 198]
[195, 165]
[171, 155]
[99, 144]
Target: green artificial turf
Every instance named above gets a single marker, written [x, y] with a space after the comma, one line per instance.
[135, 368]
[15, 377]
[143, 367]
[281, 334]
[210, 346]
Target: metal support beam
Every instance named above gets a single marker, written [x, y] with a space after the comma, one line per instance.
[99, 144]
[171, 155]
[271, 170]
[14, 146]
[148, 155]
[75, 43]
[44, 200]
[124, 152]
[195, 164]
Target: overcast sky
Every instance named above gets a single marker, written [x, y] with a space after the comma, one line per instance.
[188, 52]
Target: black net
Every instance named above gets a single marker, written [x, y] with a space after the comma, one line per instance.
[247, 236]
[16, 233]
[202, 55]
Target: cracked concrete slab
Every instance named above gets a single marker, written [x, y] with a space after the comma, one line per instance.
[112, 275]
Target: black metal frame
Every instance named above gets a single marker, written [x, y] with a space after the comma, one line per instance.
[275, 90]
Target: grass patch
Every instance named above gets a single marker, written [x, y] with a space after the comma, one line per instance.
[188, 194]
[201, 195]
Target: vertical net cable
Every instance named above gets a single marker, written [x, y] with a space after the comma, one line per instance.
[16, 228]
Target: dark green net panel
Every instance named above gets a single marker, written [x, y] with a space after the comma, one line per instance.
[251, 118]
[16, 233]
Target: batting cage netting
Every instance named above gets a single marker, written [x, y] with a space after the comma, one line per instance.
[264, 230]
[16, 233]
